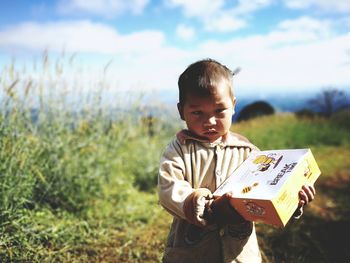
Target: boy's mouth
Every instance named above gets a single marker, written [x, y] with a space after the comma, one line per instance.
[210, 132]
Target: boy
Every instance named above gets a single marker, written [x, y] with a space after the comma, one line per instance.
[207, 228]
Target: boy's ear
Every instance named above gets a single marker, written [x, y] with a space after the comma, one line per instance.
[181, 112]
[234, 102]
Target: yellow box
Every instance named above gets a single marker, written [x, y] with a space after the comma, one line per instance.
[266, 186]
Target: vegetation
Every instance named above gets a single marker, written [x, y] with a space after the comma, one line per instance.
[254, 110]
[330, 101]
[77, 179]
[70, 172]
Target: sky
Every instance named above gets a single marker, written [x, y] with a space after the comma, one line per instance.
[278, 45]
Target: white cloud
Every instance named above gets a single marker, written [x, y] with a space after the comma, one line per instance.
[203, 8]
[220, 15]
[292, 56]
[224, 23]
[298, 54]
[289, 57]
[141, 60]
[226, 16]
[306, 26]
[275, 61]
[185, 32]
[302, 23]
[197, 8]
[341, 6]
[78, 36]
[245, 7]
[107, 8]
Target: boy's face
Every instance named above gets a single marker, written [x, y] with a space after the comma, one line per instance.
[209, 117]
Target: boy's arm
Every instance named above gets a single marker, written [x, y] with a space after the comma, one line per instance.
[176, 194]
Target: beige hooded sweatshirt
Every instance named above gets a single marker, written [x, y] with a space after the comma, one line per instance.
[189, 167]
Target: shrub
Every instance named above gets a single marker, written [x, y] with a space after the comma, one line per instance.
[255, 109]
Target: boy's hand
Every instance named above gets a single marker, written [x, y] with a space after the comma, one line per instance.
[223, 212]
[193, 204]
[306, 195]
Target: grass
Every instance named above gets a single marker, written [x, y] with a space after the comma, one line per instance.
[77, 184]
[70, 170]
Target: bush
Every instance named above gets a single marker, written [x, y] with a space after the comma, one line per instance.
[255, 109]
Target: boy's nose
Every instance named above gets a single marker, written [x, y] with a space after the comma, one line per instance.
[210, 121]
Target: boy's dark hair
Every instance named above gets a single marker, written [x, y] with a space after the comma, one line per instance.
[201, 78]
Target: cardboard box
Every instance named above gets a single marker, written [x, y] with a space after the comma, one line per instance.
[266, 186]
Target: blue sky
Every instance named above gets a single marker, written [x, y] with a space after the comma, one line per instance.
[278, 44]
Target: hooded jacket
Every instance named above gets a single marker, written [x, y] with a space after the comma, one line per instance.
[190, 170]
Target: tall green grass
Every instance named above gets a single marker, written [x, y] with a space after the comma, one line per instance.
[71, 166]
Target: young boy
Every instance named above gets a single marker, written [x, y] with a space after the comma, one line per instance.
[207, 228]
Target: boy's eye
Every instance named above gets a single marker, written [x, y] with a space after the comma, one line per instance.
[196, 112]
[220, 110]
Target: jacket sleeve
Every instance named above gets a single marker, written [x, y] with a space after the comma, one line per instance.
[175, 193]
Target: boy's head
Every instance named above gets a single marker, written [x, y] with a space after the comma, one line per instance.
[206, 99]
[202, 77]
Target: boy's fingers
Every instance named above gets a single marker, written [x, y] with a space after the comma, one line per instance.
[313, 189]
[309, 189]
[303, 196]
[307, 194]
[310, 192]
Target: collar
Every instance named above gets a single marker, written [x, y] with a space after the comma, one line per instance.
[229, 139]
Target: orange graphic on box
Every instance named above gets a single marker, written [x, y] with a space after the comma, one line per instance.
[264, 162]
[254, 209]
[307, 169]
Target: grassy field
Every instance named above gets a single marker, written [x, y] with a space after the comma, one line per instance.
[79, 185]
